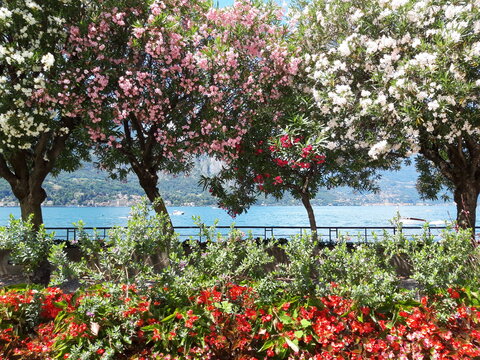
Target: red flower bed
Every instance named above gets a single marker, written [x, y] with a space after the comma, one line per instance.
[228, 323]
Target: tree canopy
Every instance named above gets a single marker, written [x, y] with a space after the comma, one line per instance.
[187, 79]
[398, 78]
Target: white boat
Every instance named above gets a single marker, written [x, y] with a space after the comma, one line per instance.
[418, 221]
[177, 212]
[412, 221]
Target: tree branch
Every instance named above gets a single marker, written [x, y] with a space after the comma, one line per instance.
[6, 173]
[445, 167]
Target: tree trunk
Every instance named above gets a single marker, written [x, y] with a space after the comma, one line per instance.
[149, 185]
[466, 196]
[31, 206]
[25, 171]
[311, 216]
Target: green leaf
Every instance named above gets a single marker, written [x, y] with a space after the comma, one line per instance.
[169, 317]
[285, 319]
[267, 345]
[305, 323]
[61, 304]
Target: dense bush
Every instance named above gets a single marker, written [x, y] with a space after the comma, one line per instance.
[28, 246]
[146, 252]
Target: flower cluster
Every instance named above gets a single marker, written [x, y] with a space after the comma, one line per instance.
[29, 52]
[194, 79]
[394, 76]
[224, 321]
[308, 155]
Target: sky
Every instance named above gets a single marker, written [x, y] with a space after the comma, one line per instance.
[223, 3]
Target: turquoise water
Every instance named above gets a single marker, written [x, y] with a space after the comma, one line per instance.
[378, 215]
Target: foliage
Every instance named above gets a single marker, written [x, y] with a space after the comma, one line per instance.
[272, 160]
[27, 246]
[146, 252]
[400, 77]
[436, 263]
[238, 296]
[217, 261]
[39, 131]
[174, 79]
[227, 322]
[134, 253]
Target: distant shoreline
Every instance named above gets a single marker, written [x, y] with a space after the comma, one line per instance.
[266, 205]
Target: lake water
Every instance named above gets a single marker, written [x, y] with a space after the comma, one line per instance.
[357, 216]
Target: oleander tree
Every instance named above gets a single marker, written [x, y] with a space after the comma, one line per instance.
[290, 157]
[398, 78]
[189, 80]
[39, 133]
[272, 161]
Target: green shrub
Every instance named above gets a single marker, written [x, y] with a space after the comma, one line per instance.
[28, 247]
[448, 261]
[217, 261]
[134, 253]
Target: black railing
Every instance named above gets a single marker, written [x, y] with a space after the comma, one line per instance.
[326, 234]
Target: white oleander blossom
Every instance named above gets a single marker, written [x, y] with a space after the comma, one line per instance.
[378, 149]
[5, 13]
[48, 60]
[420, 77]
[38, 32]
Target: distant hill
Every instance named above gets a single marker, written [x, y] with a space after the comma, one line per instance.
[92, 187]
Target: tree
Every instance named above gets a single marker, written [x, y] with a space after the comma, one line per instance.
[188, 80]
[272, 164]
[289, 157]
[402, 77]
[39, 133]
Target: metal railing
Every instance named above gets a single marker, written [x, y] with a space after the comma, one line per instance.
[326, 234]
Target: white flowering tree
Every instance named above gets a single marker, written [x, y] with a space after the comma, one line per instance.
[37, 131]
[402, 77]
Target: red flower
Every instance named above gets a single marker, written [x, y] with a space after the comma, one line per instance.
[286, 142]
[100, 351]
[258, 179]
[277, 180]
[280, 162]
[453, 294]
[156, 335]
[267, 318]
[306, 151]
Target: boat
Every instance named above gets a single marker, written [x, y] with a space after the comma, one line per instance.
[177, 212]
[418, 221]
[412, 220]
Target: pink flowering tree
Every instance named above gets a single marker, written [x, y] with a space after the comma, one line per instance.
[398, 78]
[39, 133]
[190, 79]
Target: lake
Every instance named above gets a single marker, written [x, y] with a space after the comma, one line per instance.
[378, 215]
